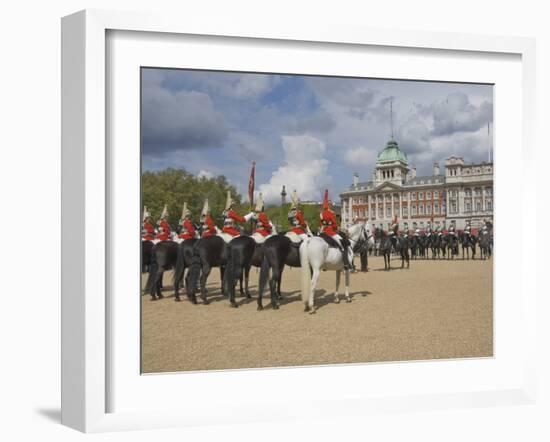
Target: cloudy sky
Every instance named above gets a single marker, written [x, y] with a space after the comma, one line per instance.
[305, 132]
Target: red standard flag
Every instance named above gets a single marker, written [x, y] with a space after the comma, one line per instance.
[251, 185]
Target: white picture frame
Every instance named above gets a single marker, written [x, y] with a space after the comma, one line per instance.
[85, 261]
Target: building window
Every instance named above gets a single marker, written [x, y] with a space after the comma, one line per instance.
[453, 206]
[413, 196]
[421, 196]
[428, 208]
[469, 192]
[436, 195]
[489, 205]
[428, 195]
[421, 224]
[468, 206]
[488, 191]
[405, 211]
[396, 210]
[388, 212]
[380, 212]
[436, 208]
[421, 209]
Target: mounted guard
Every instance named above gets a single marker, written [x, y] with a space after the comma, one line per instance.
[208, 226]
[230, 218]
[429, 229]
[452, 228]
[468, 228]
[163, 228]
[147, 227]
[393, 230]
[329, 226]
[187, 229]
[264, 227]
[300, 229]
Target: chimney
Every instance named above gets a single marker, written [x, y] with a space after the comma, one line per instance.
[413, 172]
[355, 179]
[436, 169]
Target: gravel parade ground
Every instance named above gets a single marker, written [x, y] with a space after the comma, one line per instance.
[436, 309]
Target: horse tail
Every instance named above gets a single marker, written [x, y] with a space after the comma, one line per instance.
[153, 269]
[264, 274]
[306, 271]
[194, 272]
[180, 266]
[229, 274]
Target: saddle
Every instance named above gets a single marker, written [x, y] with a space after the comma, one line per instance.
[332, 243]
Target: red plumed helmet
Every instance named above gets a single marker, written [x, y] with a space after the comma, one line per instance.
[325, 200]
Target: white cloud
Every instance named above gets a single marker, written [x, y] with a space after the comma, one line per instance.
[361, 157]
[305, 169]
[205, 174]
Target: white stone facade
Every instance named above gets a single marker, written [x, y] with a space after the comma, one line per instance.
[464, 192]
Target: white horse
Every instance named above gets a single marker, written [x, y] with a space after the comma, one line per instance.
[316, 254]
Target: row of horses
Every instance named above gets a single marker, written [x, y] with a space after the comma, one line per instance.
[441, 246]
[194, 260]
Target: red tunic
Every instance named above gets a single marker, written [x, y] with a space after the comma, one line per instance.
[148, 233]
[230, 219]
[211, 227]
[329, 223]
[300, 229]
[188, 230]
[164, 230]
[264, 226]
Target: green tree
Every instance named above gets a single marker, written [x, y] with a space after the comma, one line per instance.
[173, 187]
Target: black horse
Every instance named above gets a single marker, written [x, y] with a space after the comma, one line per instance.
[146, 249]
[468, 241]
[164, 256]
[435, 244]
[401, 247]
[279, 251]
[208, 253]
[452, 244]
[485, 245]
[242, 254]
[184, 261]
[385, 246]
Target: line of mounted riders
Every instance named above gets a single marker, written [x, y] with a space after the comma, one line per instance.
[442, 243]
[195, 250]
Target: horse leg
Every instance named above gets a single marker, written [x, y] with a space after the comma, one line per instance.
[314, 279]
[158, 285]
[204, 276]
[336, 299]
[222, 275]
[246, 291]
[346, 280]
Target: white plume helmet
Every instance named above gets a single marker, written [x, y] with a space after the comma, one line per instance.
[295, 200]
[146, 214]
[260, 203]
[185, 212]
[228, 201]
[205, 208]
[164, 213]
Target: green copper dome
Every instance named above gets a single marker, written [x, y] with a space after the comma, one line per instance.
[392, 153]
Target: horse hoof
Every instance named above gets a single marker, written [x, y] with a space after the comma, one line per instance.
[177, 299]
[248, 295]
[160, 296]
[260, 307]
[312, 311]
[275, 306]
[348, 299]
[306, 308]
[234, 305]
[337, 301]
[205, 302]
[153, 298]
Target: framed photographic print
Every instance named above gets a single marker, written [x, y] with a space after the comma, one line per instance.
[251, 213]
